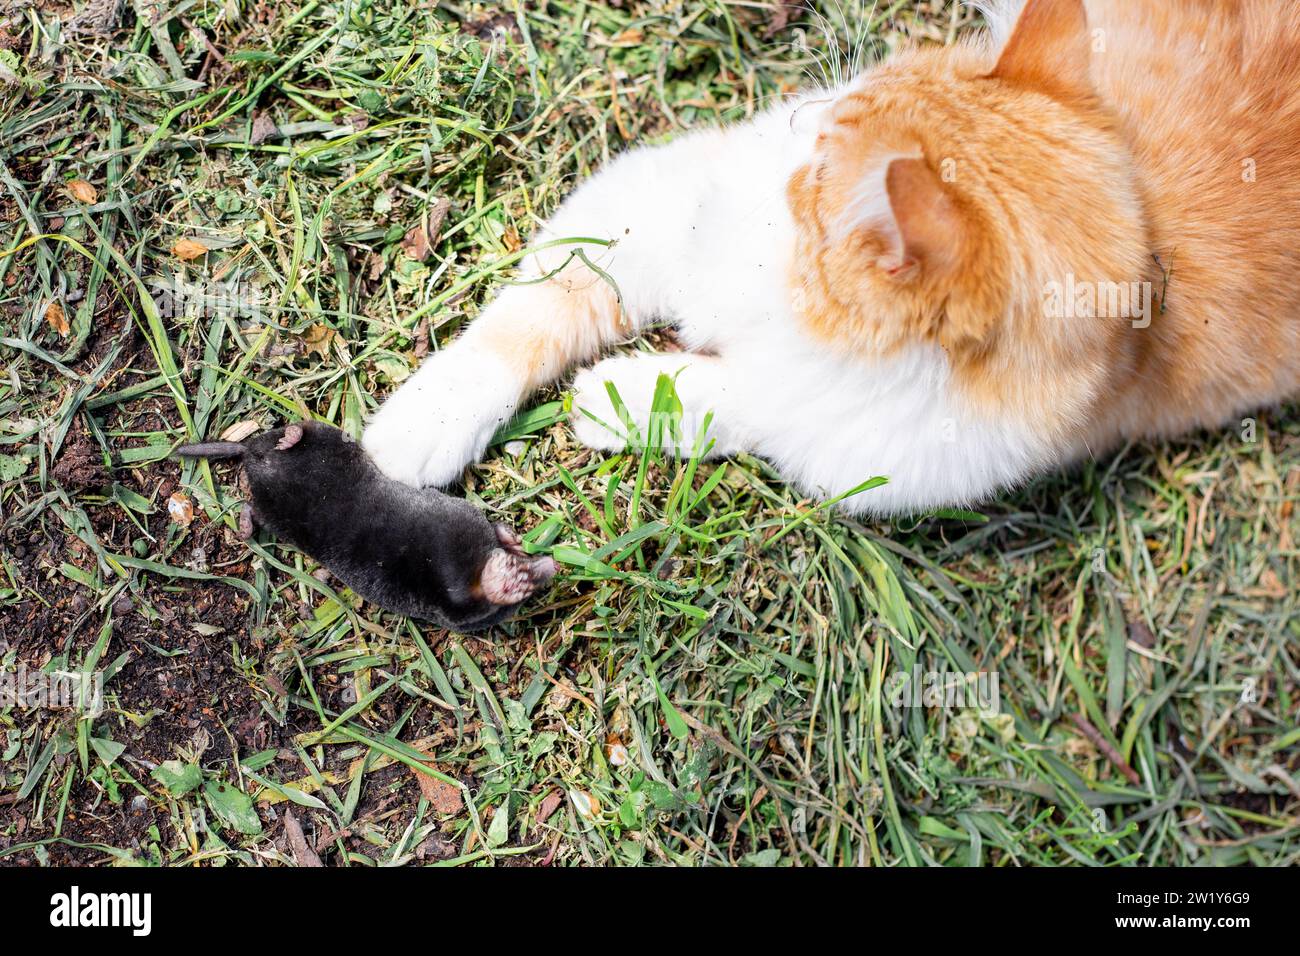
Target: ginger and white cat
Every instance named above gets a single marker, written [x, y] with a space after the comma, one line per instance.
[967, 266]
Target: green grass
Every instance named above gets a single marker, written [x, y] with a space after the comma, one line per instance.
[710, 680]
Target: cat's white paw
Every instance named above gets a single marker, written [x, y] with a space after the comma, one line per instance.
[590, 398]
[442, 418]
[635, 379]
[635, 384]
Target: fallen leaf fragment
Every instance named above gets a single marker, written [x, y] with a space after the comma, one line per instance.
[189, 249]
[318, 338]
[240, 430]
[58, 321]
[550, 803]
[82, 191]
[264, 128]
[422, 237]
[416, 242]
[181, 509]
[588, 807]
[303, 854]
[442, 796]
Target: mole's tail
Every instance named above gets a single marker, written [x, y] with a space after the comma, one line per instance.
[211, 449]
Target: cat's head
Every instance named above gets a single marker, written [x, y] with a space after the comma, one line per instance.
[948, 185]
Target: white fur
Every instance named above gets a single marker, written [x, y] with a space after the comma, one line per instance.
[704, 240]
[442, 418]
[829, 423]
[1000, 15]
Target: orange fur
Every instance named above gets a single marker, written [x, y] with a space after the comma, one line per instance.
[1106, 147]
[566, 317]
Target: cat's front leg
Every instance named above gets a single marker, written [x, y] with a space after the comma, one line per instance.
[596, 275]
[708, 419]
[444, 416]
[697, 226]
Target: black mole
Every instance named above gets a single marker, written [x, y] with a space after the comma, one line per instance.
[413, 551]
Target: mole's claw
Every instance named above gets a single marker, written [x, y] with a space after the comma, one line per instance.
[509, 540]
[542, 570]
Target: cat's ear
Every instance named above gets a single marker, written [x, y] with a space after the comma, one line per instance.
[933, 245]
[1049, 49]
[925, 228]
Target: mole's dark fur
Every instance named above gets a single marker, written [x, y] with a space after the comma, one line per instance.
[417, 552]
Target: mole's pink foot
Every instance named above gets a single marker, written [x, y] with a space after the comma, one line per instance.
[292, 435]
[246, 524]
[511, 575]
